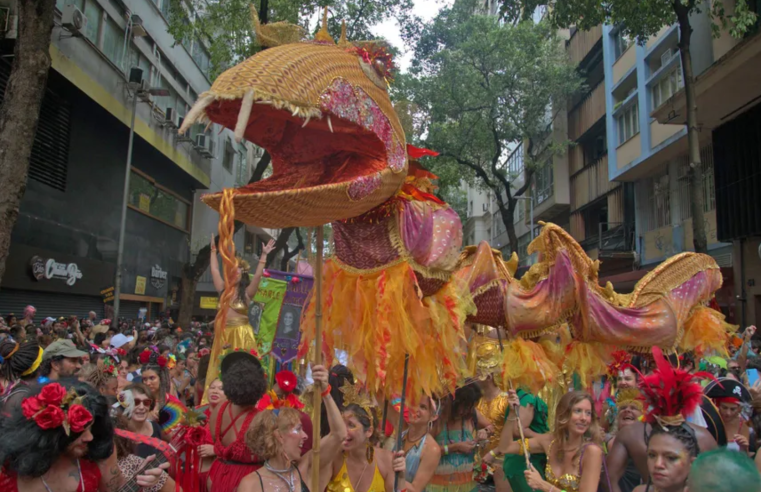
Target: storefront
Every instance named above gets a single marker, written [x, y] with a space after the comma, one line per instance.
[56, 284]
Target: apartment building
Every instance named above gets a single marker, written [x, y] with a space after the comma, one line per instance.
[729, 117]
[71, 211]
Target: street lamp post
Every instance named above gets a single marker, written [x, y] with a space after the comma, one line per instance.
[136, 77]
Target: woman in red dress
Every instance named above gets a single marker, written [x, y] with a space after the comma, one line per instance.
[244, 384]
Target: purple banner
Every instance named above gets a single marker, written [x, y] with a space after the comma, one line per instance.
[288, 334]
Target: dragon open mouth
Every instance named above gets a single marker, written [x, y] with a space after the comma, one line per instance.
[336, 144]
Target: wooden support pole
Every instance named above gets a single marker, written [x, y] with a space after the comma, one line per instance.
[317, 391]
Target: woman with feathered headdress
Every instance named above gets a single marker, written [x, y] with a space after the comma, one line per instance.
[670, 396]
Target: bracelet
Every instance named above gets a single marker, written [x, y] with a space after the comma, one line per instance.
[446, 449]
[326, 392]
[511, 420]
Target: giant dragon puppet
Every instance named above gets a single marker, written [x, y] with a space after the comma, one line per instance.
[397, 283]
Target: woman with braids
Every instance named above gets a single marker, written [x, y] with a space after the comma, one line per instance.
[103, 377]
[61, 438]
[237, 332]
[155, 376]
[244, 384]
[277, 436]
[574, 454]
[19, 363]
[362, 466]
[670, 396]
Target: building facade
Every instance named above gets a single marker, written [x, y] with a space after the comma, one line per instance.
[70, 214]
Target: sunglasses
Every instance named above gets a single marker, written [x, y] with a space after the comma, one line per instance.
[146, 402]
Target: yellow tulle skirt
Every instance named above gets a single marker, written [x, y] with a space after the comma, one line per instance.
[379, 316]
[238, 333]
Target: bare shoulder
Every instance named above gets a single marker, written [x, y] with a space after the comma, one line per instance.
[383, 458]
[432, 447]
[592, 451]
[250, 483]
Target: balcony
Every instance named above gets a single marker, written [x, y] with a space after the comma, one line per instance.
[582, 42]
[590, 183]
[587, 112]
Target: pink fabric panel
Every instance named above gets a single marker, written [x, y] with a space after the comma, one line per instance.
[542, 306]
[697, 290]
[433, 236]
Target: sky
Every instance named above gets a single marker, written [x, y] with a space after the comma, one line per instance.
[426, 10]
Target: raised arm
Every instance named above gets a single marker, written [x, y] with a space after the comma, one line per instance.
[330, 445]
[254, 285]
[219, 283]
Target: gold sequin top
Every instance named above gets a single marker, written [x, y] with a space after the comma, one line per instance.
[568, 482]
[342, 483]
[238, 306]
[494, 410]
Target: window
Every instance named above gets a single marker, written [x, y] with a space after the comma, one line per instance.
[242, 178]
[48, 162]
[151, 199]
[228, 158]
[201, 57]
[655, 202]
[543, 183]
[628, 123]
[113, 42]
[94, 13]
[667, 86]
[515, 161]
[622, 43]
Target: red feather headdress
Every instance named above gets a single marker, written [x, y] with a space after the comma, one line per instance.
[670, 394]
[621, 360]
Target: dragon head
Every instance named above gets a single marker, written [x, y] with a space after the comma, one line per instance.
[323, 113]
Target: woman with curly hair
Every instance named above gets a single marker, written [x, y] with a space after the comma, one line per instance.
[19, 363]
[245, 384]
[574, 452]
[277, 436]
[155, 375]
[61, 435]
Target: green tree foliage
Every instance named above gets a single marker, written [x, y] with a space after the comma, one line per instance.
[481, 88]
[642, 19]
[224, 26]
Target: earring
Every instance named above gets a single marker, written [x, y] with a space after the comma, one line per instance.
[370, 453]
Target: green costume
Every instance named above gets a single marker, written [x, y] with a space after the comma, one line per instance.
[514, 465]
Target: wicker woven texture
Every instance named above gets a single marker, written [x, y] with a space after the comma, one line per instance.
[669, 275]
[297, 75]
[293, 78]
[304, 207]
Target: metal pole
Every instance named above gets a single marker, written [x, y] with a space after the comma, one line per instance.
[123, 224]
[401, 416]
[531, 201]
[317, 391]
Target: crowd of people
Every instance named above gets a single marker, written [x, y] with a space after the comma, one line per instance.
[87, 405]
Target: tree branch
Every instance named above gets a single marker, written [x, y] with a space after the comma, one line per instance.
[288, 255]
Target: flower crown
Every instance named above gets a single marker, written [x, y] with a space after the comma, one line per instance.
[53, 407]
[204, 352]
[109, 367]
[151, 356]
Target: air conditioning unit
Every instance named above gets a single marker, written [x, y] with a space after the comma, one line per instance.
[172, 118]
[73, 20]
[203, 145]
[183, 137]
[137, 26]
[142, 91]
[666, 56]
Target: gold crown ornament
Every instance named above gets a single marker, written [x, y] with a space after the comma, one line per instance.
[353, 395]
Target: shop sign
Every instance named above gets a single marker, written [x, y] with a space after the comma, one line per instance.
[209, 302]
[140, 285]
[158, 277]
[50, 269]
[107, 294]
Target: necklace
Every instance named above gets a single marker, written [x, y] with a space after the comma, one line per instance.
[359, 481]
[412, 441]
[81, 480]
[290, 480]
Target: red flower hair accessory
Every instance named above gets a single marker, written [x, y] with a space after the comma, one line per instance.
[670, 394]
[621, 360]
[162, 361]
[53, 407]
[145, 356]
[204, 352]
[109, 367]
[286, 381]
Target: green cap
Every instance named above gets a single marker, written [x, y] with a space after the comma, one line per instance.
[62, 348]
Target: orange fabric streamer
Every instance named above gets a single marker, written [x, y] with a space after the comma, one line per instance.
[705, 330]
[229, 262]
